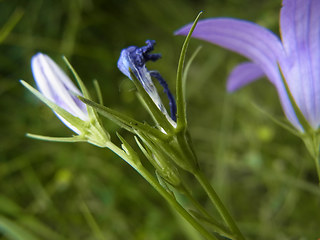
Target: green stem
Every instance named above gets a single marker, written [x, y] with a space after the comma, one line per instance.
[172, 201]
[219, 205]
[317, 162]
[312, 143]
[156, 185]
[219, 228]
[316, 156]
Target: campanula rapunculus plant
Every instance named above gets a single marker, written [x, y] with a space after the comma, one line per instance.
[58, 91]
[167, 146]
[291, 63]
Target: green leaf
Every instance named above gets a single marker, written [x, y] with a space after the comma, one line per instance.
[14, 231]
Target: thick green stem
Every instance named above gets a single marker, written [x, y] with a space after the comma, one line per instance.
[219, 205]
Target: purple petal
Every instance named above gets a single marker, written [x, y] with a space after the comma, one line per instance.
[258, 44]
[54, 84]
[300, 30]
[242, 75]
[249, 39]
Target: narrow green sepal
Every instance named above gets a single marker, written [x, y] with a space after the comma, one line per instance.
[282, 124]
[124, 121]
[163, 183]
[98, 91]
[181, 98]
[161, 120]
[186, 69]
[159, 159]
[129, 150]
[74, 121]
[78, 138]
[83, 88]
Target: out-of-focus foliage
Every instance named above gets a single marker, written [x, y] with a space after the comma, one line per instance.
[77, 191]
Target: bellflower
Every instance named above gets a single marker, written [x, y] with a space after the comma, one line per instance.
[57, 87]
[134, 59]
[58, 91]
[294, 59]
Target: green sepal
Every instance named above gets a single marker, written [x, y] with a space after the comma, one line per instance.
[130, 152]
[161, 120]
[159, 159]
[92, 130]
[74, 121]
[78, 138]
[98, 91]
[164, 184]
[140, 98]
[180, 93]
[186, 69]
[78, 79]
[124, 121]
[281, 123]
[83, 88]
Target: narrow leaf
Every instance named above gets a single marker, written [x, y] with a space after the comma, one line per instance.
[181, 100]
[14, 231]
[57, 139]
[10, 24]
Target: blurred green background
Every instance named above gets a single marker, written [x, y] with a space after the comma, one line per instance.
[77, 191]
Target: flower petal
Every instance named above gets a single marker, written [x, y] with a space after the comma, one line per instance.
[57, 86]
[248, 39]
[242, 75]
[300, 31]
[252, 41]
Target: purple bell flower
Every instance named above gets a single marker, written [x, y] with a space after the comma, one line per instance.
[57, 87]
[295, 58]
